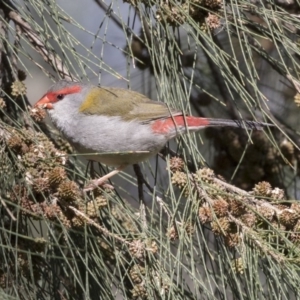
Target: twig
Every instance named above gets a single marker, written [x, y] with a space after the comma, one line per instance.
[140, 182]
[141, 178]
[114, 17]
[78, 213]
[143, 216]
[8, 210]
[232, 187]
[40, 46]
[255, 239]
[219, 80]
[250, 197]
[239, 223]
[163, 206]
[294, 81]
[167, 151]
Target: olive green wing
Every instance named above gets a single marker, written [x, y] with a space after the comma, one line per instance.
[130, 105]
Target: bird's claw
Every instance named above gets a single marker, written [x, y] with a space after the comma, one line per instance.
[97, 183]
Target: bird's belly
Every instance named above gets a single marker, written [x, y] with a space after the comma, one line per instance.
[118, 159]
[112, 141]
[117, 155]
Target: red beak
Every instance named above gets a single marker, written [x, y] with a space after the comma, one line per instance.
[44, 102]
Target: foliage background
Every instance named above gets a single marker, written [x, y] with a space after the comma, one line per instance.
[192, 234]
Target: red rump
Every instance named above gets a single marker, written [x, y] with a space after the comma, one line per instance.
[170, 124]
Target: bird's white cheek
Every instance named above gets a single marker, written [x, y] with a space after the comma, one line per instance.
[63, 116]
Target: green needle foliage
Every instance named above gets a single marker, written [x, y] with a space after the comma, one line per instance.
[215, 215]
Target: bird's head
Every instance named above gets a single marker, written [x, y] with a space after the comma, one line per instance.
[61, 91]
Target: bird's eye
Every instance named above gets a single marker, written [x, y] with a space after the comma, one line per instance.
[60, 97]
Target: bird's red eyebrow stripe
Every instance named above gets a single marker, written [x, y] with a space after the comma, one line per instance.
[50, 97]
[164, 126]
[69, 90]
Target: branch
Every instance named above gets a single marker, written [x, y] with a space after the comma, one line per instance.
[40, 46]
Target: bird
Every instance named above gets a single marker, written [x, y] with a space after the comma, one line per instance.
[119, 127]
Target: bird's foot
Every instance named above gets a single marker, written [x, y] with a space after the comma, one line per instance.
[97, 183]
[101, 181]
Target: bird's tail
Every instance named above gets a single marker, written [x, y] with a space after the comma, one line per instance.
[237, 123]
[180, 124]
